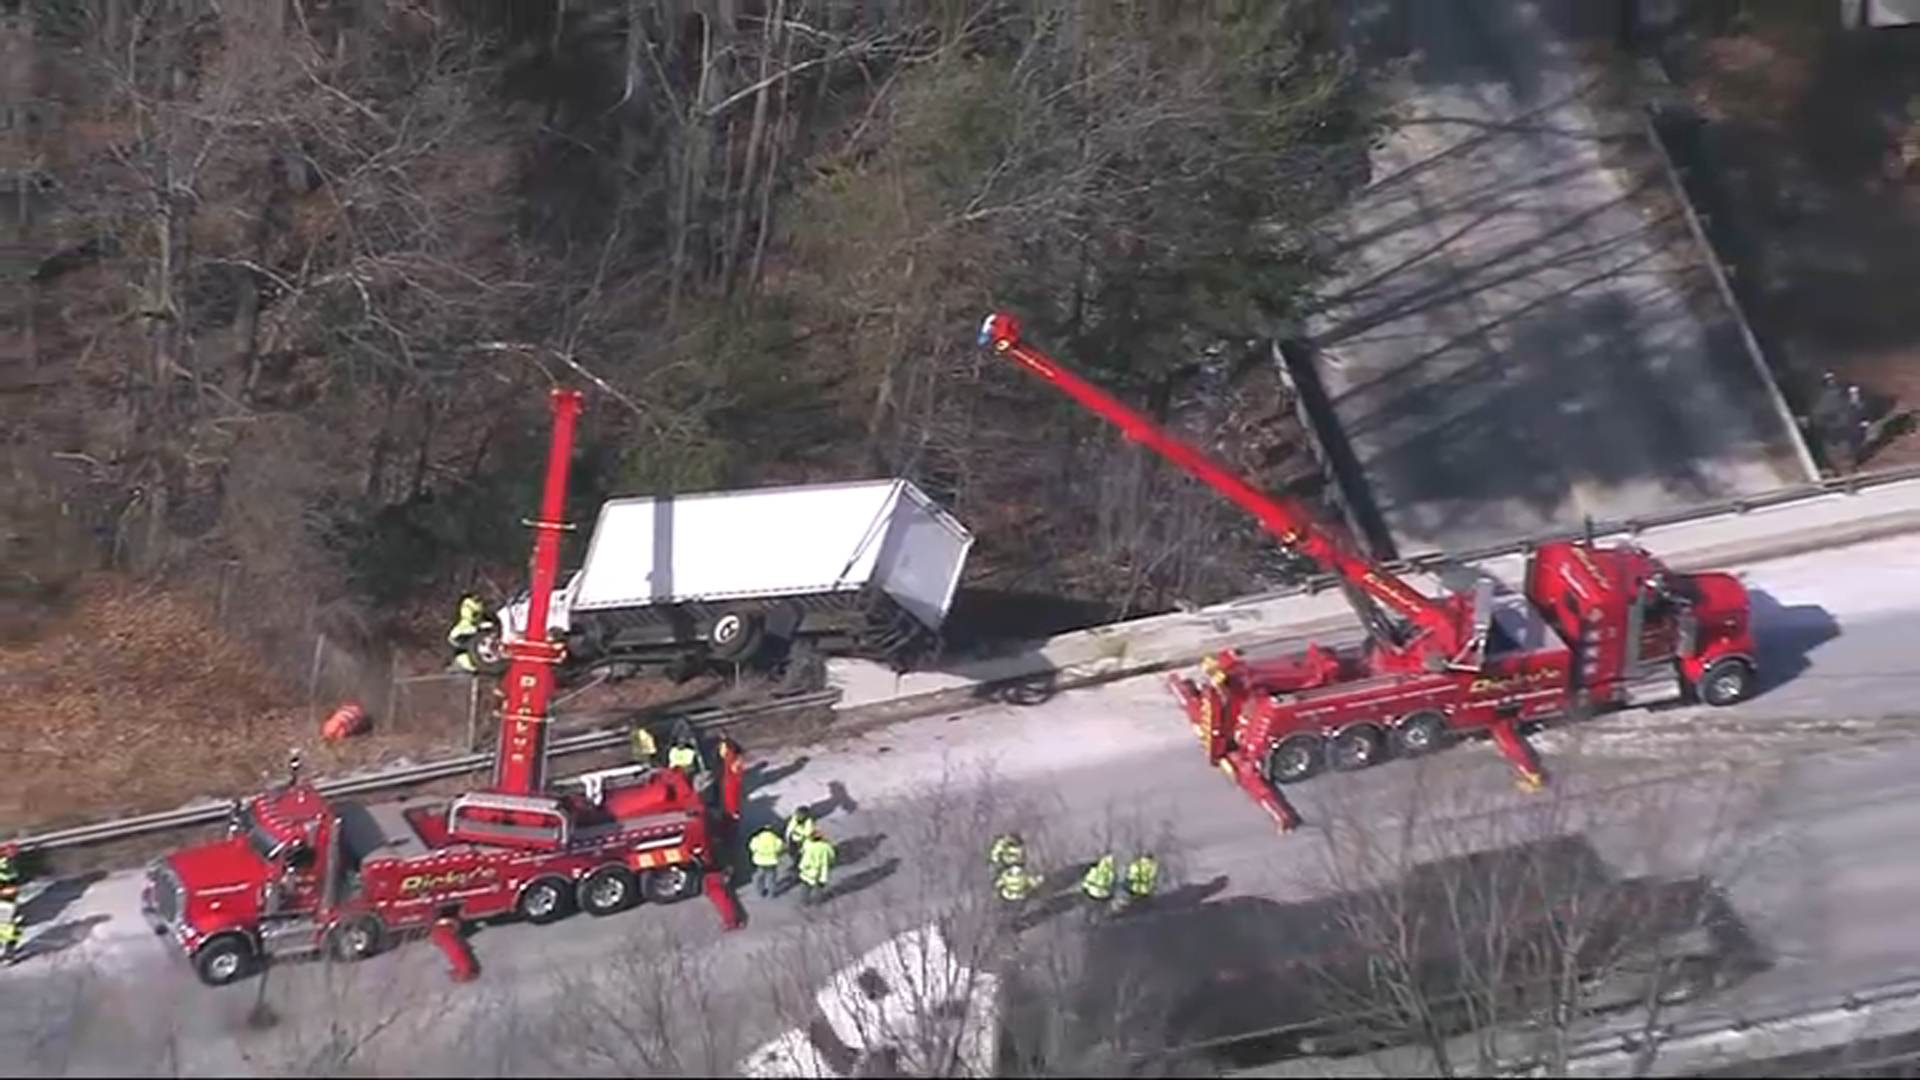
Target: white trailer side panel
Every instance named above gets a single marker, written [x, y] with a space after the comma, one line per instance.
[924, 556]
[736, 544]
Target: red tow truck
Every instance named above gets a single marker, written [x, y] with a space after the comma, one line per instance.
[300, 874]
[1592, 628]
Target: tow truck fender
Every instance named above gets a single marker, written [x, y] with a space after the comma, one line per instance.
[1693, 667]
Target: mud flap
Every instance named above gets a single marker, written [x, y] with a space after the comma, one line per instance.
[1514, 747]
[720, 892]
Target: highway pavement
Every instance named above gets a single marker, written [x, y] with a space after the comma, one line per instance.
[1516, 342]
[1801, 801]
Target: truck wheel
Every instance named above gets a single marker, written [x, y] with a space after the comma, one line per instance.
[1295, 758]
[1726, 682]
[488, 653]
[227, 958]
[543, 901]
[1356, 747]
[608, 891]
[357, 938]
[1421, 733]
[671, 883]
[735, 634]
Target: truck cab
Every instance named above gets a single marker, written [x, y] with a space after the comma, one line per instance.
[267, 877]
[1643, 632]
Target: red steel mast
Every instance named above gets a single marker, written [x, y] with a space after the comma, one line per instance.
[520, 760]
[1440, 630]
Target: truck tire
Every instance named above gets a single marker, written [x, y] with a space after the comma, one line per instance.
[544, 900]
[671, 883]
[609, 890]
[736, 634]
[226, 959]
[1726, 682]
[488, 653]
[1356, 747]
[357, 937]
[1296, 758]
[1419, 734]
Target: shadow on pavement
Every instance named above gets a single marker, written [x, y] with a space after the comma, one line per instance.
[59, 937]
[1192, 894]
[760, 774]
[863, 879]
[1066, 878]
[1786, 636]
[856, 850]
[60, 894]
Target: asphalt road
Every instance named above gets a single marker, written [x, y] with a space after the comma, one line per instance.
[1817, 856]
[1512, 345]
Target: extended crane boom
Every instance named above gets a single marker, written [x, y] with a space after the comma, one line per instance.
[1438, 630]
[520, 760]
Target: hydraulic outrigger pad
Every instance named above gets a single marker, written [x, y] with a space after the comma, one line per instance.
[1514, 747]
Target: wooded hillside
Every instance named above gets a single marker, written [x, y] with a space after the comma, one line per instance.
[307, 267]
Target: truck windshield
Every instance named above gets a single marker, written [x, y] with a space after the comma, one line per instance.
[264, 843]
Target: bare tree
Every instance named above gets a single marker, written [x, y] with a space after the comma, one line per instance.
[1468, 935]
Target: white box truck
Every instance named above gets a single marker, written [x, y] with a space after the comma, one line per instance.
[774, 579]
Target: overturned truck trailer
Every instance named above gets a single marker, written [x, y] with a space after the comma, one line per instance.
[774, 579]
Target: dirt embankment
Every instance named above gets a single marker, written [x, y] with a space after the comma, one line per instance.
[127, 698]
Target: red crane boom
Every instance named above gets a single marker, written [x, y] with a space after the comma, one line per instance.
[1439, 631]
[520, 760]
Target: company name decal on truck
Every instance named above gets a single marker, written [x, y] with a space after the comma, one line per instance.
[1514, 682]
[451, 879]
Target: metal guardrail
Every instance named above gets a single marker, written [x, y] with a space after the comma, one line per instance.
[1856, 484]
[1635, 1039]
[704, 718]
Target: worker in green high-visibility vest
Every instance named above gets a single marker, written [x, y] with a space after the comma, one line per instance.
[1097, 884]
[816, 864]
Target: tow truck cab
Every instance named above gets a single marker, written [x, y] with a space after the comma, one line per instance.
[297, 874]
[213, 898]
[1635, 623]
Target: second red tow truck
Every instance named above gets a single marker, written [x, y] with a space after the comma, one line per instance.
[1591, 628]
[301, 874]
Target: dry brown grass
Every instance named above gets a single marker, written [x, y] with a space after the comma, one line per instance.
[131, 699]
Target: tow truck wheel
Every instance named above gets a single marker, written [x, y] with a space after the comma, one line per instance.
[1295, 758]
[544, 901]
[357, 938]
[225, 959]
[607, 891]
[1419, 734]
[1726, 682]
[671, 883]
[1356, 747]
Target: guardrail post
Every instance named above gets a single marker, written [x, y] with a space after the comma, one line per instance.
[473, 713]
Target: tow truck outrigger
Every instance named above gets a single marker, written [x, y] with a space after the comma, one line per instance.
[1593, 628]
[300, 874]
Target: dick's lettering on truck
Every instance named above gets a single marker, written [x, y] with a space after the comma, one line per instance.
[1489, 685]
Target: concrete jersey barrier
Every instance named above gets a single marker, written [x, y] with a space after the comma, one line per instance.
[1140, 646]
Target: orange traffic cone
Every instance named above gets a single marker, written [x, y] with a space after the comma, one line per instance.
[345, 722]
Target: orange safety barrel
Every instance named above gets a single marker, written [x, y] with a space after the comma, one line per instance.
[345, 722]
